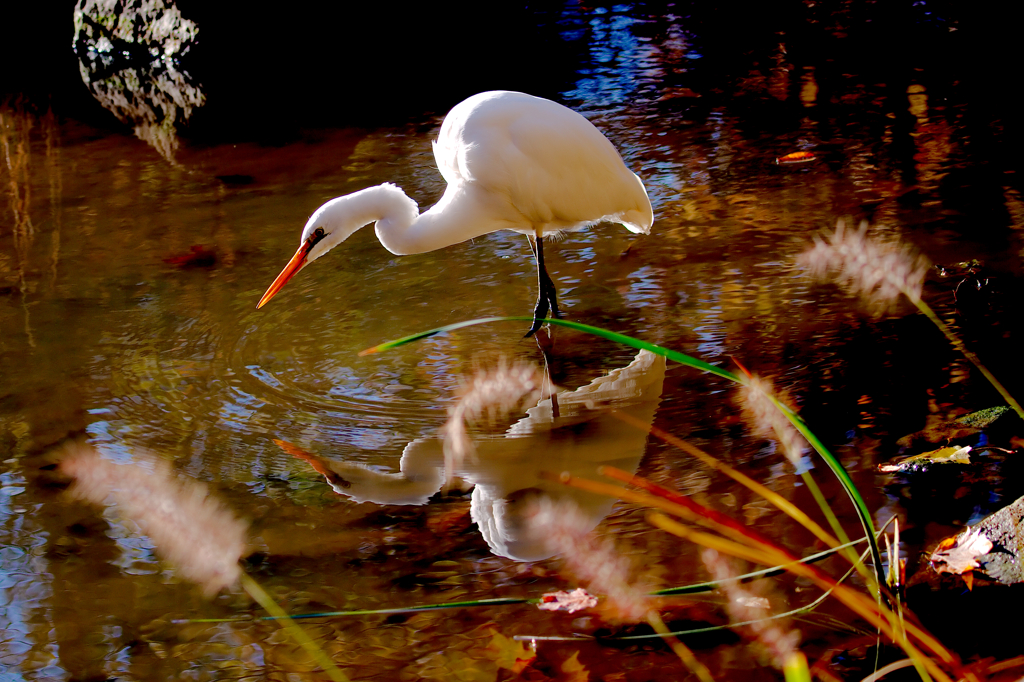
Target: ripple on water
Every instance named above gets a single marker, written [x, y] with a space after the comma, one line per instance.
[309, 385]
[206, 386]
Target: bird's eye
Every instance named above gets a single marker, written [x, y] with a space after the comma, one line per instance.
[317, 235]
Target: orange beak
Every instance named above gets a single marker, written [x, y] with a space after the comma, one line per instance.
[294, 265]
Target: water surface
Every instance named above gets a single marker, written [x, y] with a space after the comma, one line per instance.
[129, 276]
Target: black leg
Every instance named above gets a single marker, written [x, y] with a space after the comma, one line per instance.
[548, 286]
[547, 297]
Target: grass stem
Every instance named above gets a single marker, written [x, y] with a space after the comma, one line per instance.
[680, 649]
[297, 633]
[974, 359]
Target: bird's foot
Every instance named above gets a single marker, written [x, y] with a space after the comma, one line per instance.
[539, 314]
[555, 312]
[538, 322]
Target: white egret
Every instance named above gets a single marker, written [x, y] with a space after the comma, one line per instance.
[512, 162]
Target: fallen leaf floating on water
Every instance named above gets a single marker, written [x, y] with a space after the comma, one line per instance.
[924, 461]
[750, 602]
[796, 157]
[510, 654]
[939, 428]
[571, 602]
[992, 548]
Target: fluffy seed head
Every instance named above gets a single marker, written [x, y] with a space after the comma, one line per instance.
[748, 609]
[193, 531]
[489, 398]
[876, 270]
[767, 420]
[593, 561]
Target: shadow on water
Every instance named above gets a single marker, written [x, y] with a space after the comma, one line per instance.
[136, 239]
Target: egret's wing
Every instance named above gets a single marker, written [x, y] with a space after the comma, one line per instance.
[548, 163]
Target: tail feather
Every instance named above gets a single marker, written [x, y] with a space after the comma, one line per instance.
[639, 219]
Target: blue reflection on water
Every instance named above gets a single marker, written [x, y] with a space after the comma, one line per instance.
[619, 60]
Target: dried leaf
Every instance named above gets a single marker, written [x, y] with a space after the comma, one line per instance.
[924, 461]
[959, 555]
[751, 602]
[575, 671]
[1005, 529]
[571, 602]
[510, 654]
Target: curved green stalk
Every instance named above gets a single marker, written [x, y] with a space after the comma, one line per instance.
[639, 344]
[844, 478]
[712, 585]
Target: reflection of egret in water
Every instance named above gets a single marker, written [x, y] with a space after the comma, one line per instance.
[506, 470]
[128, 54]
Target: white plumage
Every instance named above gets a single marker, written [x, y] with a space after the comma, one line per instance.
[512, 162]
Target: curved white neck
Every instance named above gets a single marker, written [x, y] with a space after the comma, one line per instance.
[461, 214]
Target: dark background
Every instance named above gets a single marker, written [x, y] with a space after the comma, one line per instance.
[267, 74]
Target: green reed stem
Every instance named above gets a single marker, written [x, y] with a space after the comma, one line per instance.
[683, 359]
[712, 585]
[639, 344]
[695, 588]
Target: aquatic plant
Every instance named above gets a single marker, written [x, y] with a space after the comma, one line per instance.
[759, 399]
[192, 530]
[880, 272]
[863, 514]
[594, 561]
[598, 564]
[779, 642]
[769, 414]
[487, 397]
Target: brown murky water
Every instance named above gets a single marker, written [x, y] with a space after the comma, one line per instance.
[128, 282]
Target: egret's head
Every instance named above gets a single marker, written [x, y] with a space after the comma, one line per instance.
[318, 237]
[335, 221]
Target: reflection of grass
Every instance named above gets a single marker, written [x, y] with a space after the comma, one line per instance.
[739, 541]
